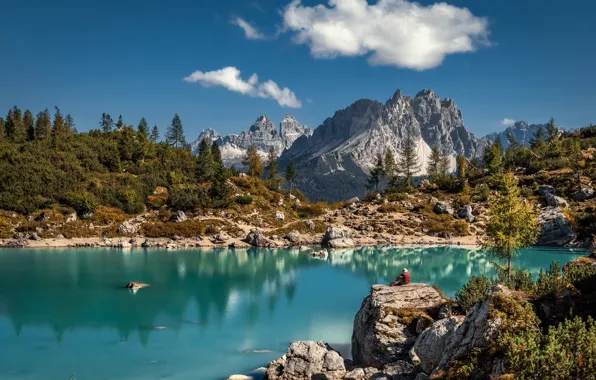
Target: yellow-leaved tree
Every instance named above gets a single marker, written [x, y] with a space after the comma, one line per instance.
[513, 223]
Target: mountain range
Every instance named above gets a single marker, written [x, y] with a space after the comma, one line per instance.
[521, 131]
[334, 160]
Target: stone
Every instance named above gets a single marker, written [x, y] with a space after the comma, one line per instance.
[34, 236]
[543, 190]
[555, 201]
[60, 237]
[256, 238]
[584, 194]
[378, 336]
[352, 200]
[445, 311]
[293, 236]
[443, 208]
[555, 229]
[43, 217]
[310, 224]
[307, 360]
[323, 254]
[132, 226]
[338, 237]
[72, 218]
[465, 212]
[431, 343]
[180, 216]
[280, 215]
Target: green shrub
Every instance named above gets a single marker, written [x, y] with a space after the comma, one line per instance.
[83, 202]
[473, 291]
[312, 210]
[187, 199]
[243, 199]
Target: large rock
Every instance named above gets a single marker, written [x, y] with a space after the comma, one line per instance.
[584, 194]
[443, 208]
[431, 343]
[338, 237]
[555, 228]
[307, 360]
[545, 190]
[180, 216]
[379, 336]
[555, 201]
[465, 212]
[293, 237]
[256, 238]
[132, 226]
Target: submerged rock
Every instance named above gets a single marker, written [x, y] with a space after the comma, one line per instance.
[380, 336]
[307, 360]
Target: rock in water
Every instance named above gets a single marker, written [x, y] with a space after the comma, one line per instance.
[379, 337]
[307, 360]
[555, 228]
[338, 237]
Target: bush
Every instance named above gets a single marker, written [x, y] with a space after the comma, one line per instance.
[187, 199]
[473, 291]
[396, 197]
[312, 210]
[243, 199]
[84, 203]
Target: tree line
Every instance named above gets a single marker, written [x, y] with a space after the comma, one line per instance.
[273, 178]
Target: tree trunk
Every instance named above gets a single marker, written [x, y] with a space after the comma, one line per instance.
[509, 270]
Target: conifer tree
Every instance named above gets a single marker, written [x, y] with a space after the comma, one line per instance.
[552, 130]
[408, 164]
[376, 174]
[15, 127]
[513, 223]
[43, 124]
[58, 126]
[273, 177]
[462, 167]
[493, 157]
[253, 161]
[106, 123]
[389, 164]
[154, 135]
[175, 133]
[2, 129]
[29, 122]
[69, 123]
[119, 123]
[538, 140]
[216, 152]
[291, 174]
[434, 162]
[205, 162]
[143, 128]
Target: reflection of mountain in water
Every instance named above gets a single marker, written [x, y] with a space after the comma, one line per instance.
[67, 289]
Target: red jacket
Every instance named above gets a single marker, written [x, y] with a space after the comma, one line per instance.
[406, 277]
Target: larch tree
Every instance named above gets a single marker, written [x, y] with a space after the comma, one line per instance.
[216, 152]
[462, 167]
[58, 126]
[291, 175]
[175, 133]
[513, 223]
[143, 128]
[408, 164]
[493, 157]
[376, 174]
[253, 161]
[29, 122]
[389, 164]
[433, 168]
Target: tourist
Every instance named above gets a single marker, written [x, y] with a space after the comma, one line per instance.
[402, 279]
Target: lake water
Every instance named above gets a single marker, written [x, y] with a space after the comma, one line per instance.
[64, 313]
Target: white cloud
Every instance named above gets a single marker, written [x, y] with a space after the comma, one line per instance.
[393, 32]
[507, 122]
[250, 32]
[229, 77]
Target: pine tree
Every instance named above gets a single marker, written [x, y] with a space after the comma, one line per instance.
[143, 128]
[493, 157]
[273, 177]
[15, 127]
[29, 122]
[513, 223]
[408, 160]
[119, 123]
[552, 130]
[291, 174]
[154, 135]
[389, 164]
[253, 161]
[434, 163]
[220, 188]
[538, 140]
[106, 123]
[58, 126]
[69, 123]
[216, 152]
[462, 167]
[2, 129]
[175, 134]
[376, 174]
[205, 163]
[43, 124]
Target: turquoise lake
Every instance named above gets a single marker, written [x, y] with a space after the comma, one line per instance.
[64, 312]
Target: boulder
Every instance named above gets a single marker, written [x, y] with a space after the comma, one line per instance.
[429, 347]
[443, 208]
[34, 236]
[180, 216]
[465, 212]
[352, 200]
[584, 194]
[72, 218]
[293, 236]
[132, 226]
[555, 201]
[280, 215]
[60, 237]
[379, 337]
[555, 229]
[256, 238]
[338, 237]
[545, 190]
[307, 360]
[310, 224]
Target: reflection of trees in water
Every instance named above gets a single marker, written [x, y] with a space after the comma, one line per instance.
[66, 290]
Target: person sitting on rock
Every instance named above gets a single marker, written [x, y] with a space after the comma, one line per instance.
[402, 279]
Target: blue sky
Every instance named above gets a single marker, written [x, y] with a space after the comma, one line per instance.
[519, 60]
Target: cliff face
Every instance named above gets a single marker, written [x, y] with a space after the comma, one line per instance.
[333, 163]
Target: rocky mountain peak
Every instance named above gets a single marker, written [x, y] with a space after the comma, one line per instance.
[290, 130]
[264, 125]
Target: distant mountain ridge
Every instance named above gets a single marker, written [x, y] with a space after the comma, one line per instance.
[522, 131]
[262, 134]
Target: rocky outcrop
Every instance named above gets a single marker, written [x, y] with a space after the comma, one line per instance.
[380, 334]
[443, 208]
[465, 213]
[338, 237]
[307, 360]
[430, 345]
[180, 216]
[555, 229]
[132, 226]
[334, 162]
[555, 201]
[584, 194]
[256, 238]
